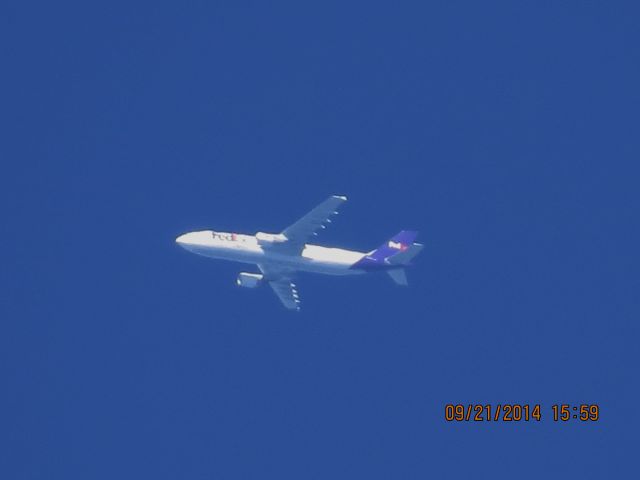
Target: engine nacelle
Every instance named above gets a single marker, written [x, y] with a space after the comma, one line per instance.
[249, 280]
[270, 238]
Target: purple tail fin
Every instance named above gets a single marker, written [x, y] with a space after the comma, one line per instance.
[379, 257]
[398, 243]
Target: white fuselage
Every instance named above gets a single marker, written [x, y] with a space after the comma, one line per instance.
[247, 249]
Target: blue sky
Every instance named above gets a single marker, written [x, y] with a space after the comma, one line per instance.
[506, 133]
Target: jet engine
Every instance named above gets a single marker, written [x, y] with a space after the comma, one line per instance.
[270, 238]
[249, 280]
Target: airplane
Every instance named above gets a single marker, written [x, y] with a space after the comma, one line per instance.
[281, 256]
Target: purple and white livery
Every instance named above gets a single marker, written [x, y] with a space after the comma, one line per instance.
[281, 256]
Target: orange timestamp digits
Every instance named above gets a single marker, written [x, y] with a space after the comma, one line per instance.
[517, 412]
[509, 412]
[583, 412]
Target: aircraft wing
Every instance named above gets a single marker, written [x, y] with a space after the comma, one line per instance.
[280, 280]
[287, 293]
[299, 233]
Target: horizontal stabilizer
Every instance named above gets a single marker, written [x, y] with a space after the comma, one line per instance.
[399, 275]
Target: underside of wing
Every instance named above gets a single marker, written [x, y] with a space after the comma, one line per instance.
[280, 280]
[287, 293]
[299, 233]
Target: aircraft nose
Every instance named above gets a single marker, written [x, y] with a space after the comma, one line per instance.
[191, 240]
[181, 239]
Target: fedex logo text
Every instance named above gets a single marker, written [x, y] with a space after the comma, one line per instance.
[397, 245]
